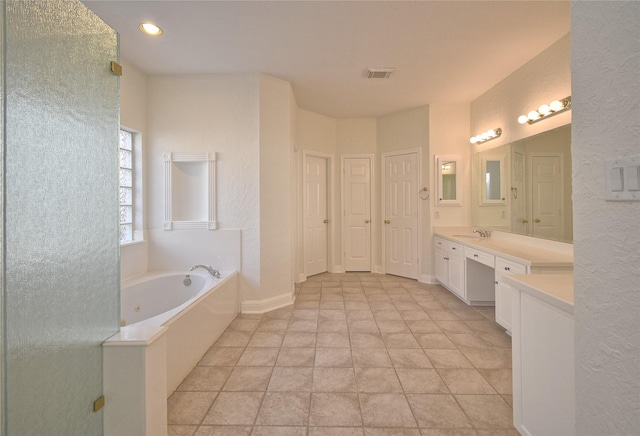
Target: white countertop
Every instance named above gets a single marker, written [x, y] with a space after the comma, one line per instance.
[531, 254]
[555, 289]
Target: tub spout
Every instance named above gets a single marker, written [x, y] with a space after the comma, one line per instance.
[214, 272]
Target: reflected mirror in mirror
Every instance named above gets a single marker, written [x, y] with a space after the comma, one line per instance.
[449, 180]
[448, 170]
[536, 187]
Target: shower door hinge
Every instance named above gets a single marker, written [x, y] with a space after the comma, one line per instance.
[116, 68]
[98, 404]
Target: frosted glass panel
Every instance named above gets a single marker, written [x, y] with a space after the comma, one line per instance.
[61, 215]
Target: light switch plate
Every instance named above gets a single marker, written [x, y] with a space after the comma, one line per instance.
[623, 179]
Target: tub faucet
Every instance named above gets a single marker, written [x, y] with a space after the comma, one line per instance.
[214, 272]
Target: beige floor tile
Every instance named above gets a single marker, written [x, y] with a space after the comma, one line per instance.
[415, 315]
[233, 339]
[441, 315]
[332, 304]
[188, 407]
[360, 315]
[498, 432]
[387, 315]
[423, 326]
[291, 379]
[381, 305]
[366, 340]
[305, 314]
[309, 304]
[221, 356]
[409, 358]
[488, 359]
[336, 431]
[297, 356]
[448, 432]
[400, 340]
[273, 325]
[391, 432]
[303, 325]
[497, 340]
[205, 378]
[454, 327]
[364, 325]
[392, 326]
[448, 359]
[234, 408]
[386, 410]
[332, 314]
[468, 314]
[437, 411]
[487, 411]
[283, 313]
[258, 357]
[332, 325]
[434, 341]
[334, 357]
[181, 430]
[377, 380]
[335, 409]
[243, 325]
[407, 306]
[500, 379]
[421, 381]
[465, 381]
[371, 358]
[284, 408]
[485, 326]
[299, 339]
[508, 399]
[467, 340]
[266, 339]
[333, 340]
[279, 431]
[223, 430]
[248, 378]
[334, 380]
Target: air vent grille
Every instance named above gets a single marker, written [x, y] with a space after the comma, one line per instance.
[379, 73]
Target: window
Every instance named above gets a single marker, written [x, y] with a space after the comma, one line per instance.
[126, 186]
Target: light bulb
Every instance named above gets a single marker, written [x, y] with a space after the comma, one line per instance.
[556, 105]
[533, 115]
[484, 136]
[150, 29]
[491, 133]
[522, 119]
[544, 109]
[473, 140]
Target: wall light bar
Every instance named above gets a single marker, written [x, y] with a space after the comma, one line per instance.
[546, 110]
[486, 136]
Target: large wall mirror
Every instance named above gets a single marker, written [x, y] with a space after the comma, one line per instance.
[532, 195]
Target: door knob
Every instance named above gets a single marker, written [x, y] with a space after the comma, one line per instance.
[524, 221]
[366, 221]
[537, 220]
[326, 221]
[387, 221]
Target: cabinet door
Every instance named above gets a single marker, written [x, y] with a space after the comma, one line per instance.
[442, 266]
[503, 304]
[456, 275]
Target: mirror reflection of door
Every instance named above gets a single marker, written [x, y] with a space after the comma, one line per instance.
[492, 180]
[546, 196]
[520, 222]
[449, 180]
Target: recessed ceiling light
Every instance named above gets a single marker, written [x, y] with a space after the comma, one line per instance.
[150, 29]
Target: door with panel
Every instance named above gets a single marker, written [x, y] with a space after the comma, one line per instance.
[401, 214]
[546, 198]
[315, 215]
[357, 214]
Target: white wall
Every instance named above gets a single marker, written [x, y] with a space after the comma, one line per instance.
[606, 124]
[133, 115]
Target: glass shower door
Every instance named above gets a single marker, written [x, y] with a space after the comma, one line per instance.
[60, 271]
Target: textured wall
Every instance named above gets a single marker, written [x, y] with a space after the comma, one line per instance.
[606, 124]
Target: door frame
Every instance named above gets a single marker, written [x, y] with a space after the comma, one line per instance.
[372, 178]
[383, 268]
[330, 196]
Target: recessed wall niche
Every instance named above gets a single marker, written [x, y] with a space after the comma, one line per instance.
[190, 191]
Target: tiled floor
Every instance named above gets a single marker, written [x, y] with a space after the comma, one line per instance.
[358, 354]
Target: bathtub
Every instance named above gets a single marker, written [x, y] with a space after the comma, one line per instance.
[167, 328]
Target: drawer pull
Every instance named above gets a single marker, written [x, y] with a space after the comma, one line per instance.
[453, 248]
[475, 255]
[506, 268]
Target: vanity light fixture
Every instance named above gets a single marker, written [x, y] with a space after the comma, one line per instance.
[150, 29]
[546, 110]
[486, 136]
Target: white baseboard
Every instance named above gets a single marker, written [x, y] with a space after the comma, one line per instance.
[378, 269]
[428, 279]
[268, 304]
[337, 269]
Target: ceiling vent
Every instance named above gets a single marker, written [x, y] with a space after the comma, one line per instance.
[379, 73]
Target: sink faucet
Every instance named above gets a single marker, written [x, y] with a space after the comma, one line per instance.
[214, 272]
[482, 233]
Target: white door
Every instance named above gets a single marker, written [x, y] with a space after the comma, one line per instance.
[401, 215]
[357, 214]
[519, 220]
[546, 196]
[315, 215]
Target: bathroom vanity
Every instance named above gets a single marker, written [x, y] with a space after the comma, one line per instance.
[473, 268]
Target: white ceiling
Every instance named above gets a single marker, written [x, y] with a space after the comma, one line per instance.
[444, 51]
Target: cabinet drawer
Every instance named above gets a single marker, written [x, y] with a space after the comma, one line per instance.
[440, 243]
[456, 249]
[504, 266]
[480, 256]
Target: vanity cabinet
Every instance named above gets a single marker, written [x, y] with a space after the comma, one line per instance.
[450, 265]
[504, 291]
